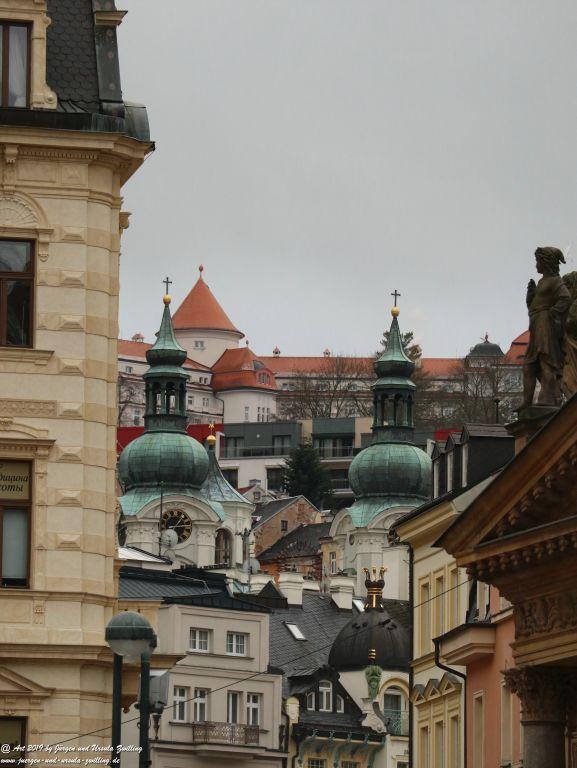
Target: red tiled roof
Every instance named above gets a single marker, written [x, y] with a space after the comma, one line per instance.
[138, 349]
[200, 309]
[281, 364]
[439, 366]
[516, 351]
[236, 368]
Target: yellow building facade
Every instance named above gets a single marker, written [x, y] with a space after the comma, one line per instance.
[67, 146]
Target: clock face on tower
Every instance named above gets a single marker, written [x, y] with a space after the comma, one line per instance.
[179, 521]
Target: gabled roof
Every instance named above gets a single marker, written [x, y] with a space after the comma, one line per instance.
[485, 430]
[138, 350]
[265, 511]
[201, 310]
[302, 541]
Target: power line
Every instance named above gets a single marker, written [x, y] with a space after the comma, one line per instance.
[257, 674]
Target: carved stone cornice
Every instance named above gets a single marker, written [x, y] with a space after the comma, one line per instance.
[29, 408]
[546, 614]
[543, 692]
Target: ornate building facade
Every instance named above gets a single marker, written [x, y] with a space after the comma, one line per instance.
[68, 144]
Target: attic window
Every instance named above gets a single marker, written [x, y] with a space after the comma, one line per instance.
[295, 631]
[14, 45]
[359, 605]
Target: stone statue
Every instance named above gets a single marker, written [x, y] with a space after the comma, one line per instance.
[569, 381]
[548, 302]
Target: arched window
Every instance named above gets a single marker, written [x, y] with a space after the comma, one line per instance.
[223, 548]
[340, 704]
[325, 696]
[310, 700]
[395, 711]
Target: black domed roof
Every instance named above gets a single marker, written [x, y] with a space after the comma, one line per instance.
[379, 636]
[486, 349]
[372, 630]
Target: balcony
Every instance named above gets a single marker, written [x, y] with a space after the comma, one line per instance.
[240, 452]
[341, 484]
[468, 643]
[225, 733]
[397, 722]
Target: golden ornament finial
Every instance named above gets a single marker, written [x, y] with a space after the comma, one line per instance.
[395, 311]
[211, 439]
[167, 299]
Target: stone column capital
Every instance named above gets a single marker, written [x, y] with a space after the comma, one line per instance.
[542, 692]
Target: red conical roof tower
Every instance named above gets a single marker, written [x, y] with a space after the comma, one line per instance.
[200, 309]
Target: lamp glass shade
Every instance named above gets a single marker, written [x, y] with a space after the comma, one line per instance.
[130, 650]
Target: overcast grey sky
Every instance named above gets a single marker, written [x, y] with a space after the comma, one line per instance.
[315, 155]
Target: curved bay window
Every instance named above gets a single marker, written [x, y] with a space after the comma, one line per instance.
[16, 292]
[223, 548]
[14, 523]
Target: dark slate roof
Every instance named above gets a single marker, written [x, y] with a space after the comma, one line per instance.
[144, 584]
[336, 721]
[319, 620]
[486, 430]
[264, 512]
[299, 542]
[71, 55]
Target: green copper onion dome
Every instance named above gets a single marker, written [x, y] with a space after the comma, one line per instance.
[164, 457]
[392, 471]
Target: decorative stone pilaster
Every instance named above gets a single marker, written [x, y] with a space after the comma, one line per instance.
[543, 695]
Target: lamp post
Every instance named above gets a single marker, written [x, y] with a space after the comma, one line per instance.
[130, 636]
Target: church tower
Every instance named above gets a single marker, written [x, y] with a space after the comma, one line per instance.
[389, 477]
[169, 481]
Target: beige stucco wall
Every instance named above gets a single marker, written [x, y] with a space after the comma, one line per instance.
[215, 343]
[235, 402]
[58, 409]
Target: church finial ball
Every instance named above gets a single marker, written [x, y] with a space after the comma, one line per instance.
[201, 268]
[167, 299]
[395, 311]
[211, 439]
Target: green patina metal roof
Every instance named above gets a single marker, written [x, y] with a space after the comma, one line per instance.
[166, 350]
[391, 469]
[216, 487]
[394, 361]
[137, 498]
[392, 472]
[171, 458]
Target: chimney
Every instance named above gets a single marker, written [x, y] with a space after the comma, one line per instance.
[341, 589]
[258, 581]
[291, 585]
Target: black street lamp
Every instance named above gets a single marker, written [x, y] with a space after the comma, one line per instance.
[130, 636]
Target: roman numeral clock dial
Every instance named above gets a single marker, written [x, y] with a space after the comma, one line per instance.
[179, 521]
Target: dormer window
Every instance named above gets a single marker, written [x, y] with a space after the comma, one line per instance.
[325, 696]
[310, 701]
[15, 76]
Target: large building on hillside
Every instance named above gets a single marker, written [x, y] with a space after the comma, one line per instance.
[68, 145]
[229, 383]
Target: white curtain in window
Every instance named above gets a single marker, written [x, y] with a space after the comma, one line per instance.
[15, 544]
[18, 67]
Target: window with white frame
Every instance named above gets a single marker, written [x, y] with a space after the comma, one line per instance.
[295, 630]
[236, 644]
[233, 707]
[450, 468]
[310, 701]
[332, 563]
[253, 708]
[316, 762]
[340, 702]
[199, 640]
[180, 698]
[325, 696]
[246, 413]
[200, 705]
[350, 764]
[128, 369]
